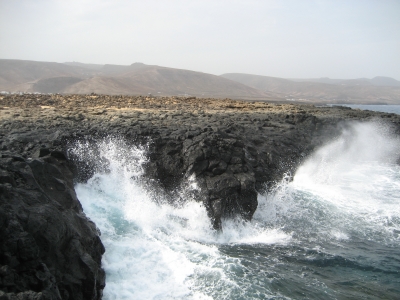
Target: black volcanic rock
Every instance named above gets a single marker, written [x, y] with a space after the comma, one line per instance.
[48, 248]
[232, 149]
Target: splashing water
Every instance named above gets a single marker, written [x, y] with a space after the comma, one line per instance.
[156, 251]
[356, 176]
[332, 232]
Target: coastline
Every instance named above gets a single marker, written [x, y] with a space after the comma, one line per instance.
[233, 148]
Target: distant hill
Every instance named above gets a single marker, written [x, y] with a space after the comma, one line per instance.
[17, 72]
[142, 79]
[318, 80]
[87, 66]
[134, 79]
[379, 90]
[377, 81]
[384, 81]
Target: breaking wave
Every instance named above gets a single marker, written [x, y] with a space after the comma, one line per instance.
[331, 232]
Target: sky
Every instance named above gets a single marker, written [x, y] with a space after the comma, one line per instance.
[282, 38]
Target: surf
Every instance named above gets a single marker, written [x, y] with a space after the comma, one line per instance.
[338, 213]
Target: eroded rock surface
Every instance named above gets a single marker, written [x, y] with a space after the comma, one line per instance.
[234, 149]
[48, 247]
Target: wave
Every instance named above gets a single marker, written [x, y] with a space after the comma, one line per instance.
[341, 199]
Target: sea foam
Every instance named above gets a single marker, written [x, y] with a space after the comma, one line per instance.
[344, 194]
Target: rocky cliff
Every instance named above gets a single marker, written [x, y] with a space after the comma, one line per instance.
[233, 149]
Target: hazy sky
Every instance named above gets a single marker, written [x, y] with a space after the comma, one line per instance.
[286, 38]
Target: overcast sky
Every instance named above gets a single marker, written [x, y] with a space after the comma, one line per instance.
[286, 38]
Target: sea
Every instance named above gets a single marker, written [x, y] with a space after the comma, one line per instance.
[331, 230]
[395, 109]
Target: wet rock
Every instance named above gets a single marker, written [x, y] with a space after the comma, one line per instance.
[233, 149]
[41, 152]
[39, 217]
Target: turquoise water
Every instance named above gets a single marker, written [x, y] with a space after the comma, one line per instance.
[330, 231]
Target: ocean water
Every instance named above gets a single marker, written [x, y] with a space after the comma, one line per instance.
[329, 231]
[395, 109]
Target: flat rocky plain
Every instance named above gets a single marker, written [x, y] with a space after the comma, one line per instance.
[49, 249]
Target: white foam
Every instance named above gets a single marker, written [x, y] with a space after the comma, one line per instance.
[357, 179]
[159, 251]
[339, 235]
[155, 250]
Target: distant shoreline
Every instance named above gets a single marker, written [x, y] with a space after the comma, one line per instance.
[385, 108]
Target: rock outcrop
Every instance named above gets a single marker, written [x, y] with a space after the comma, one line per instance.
[48, 249]
[233, 149]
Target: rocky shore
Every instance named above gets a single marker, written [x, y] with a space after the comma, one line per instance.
[234, 149]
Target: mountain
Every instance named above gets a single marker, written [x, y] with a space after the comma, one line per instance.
[318, 80]
[134, 79]
[376, 81]
[25, 72]
[384, 81]
[87, 66]
[142, 79]
[366, 91]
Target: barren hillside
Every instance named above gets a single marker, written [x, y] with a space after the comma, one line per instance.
[142, 79]
[135, 79]
[338, 91]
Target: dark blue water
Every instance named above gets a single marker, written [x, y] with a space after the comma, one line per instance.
[330, 232]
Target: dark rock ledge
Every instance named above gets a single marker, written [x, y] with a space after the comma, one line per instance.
[49, 249]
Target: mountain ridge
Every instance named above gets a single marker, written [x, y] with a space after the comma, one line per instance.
[134, 79]
[142, 79]
[377, 80]
[350, 91]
